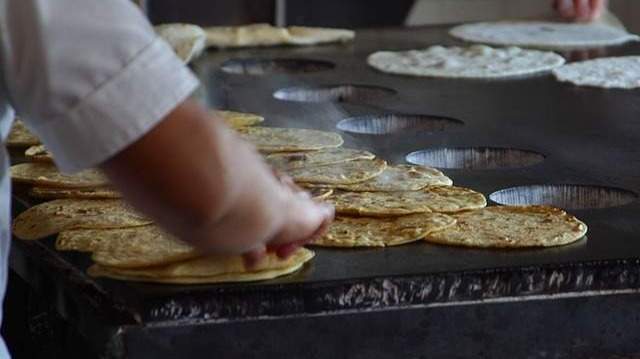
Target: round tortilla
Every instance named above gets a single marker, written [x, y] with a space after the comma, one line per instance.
[304, 35]
[53, 217]
[267, 35]
[293, 160]
[442, 199]
[251, 35]
[239, 120]
[340, 173]
[611, 72]
[320, 194]
[270, 140]
[477, 61]
[512, 227]
[383, 232]
[81, 193]
[539, 34]
[38, 153]
[400, 178]
[48, 175]
[127, 247]
[207, 270]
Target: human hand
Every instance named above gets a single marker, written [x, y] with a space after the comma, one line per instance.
[285, 243]
[213, 190]
[580, 10]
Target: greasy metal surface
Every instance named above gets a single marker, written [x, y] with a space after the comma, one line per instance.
[396, 123]
[575, 328]
[475, 158]
[588, 136]
[565, 196]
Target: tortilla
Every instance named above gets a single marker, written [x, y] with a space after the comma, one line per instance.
[383, 232]
[38, 153]
[188, 41]
[303, 35]
[270, 140]
[443, 199]
[320, 194]
[127, 247]
[213, 269]
[400, 178]
[20, 136]
[512, 227]
[49, 218]
[141, 276]
[48, 175]
[611, 72]
[477, 61]
[540, 34]
[294, 160]
[81, 193]
[254, 35]
[246, 36]
[237, 120]
[339, 173]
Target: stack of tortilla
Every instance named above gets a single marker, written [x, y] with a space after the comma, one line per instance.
[254, 35]
[88, 215]
[377, 205]
[380, 205]
[125, 245]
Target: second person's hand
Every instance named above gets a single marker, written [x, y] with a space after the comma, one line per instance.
[580, 10]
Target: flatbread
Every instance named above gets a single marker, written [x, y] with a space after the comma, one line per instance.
[339, 173]
[254, 35]
[383, 232]
[512, 227]
[540, 34]
[611, 72]
[187, 40]
[38, 153]
[270, 140]
[80, 193]
[49, 218]
[238, 120]
[293, 160]
[400, 178]
[127, 247]
[141, 276]
[47, 175]
[477, 61]
[320, 194]
[304, 35]
[443, 199]
[213, 269]
[20, 136]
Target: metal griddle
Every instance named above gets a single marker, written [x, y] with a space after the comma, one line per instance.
[410, 300]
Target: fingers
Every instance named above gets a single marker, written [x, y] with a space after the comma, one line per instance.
[254, 257]
[580, 10]
[565, 8]
[597, 7]
[306, 219]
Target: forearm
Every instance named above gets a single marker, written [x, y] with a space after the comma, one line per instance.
[195, 178]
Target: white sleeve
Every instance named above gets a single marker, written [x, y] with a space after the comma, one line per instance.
[90, 77]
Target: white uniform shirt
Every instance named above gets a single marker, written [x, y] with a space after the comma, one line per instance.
[89, 77]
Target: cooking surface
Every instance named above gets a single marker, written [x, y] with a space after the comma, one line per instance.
[588, 137]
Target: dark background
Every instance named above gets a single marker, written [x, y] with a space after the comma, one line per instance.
[331, 13]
